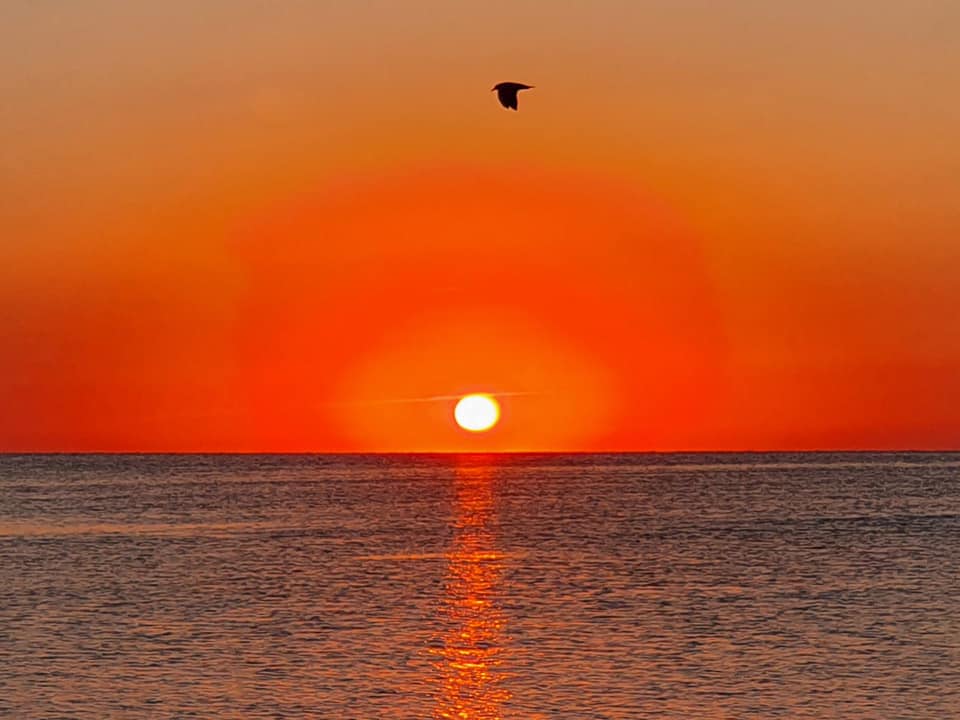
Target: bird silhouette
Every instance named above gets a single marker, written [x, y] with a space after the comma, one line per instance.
[507, 93]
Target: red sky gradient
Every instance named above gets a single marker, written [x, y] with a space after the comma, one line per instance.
[273, 227]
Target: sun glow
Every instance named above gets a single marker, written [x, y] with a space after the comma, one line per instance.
[477, 413]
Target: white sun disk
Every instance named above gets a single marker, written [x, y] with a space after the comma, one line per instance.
[476, 413]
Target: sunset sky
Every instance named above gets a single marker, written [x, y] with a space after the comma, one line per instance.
[231, 225]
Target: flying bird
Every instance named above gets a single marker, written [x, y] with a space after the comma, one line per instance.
[507, 93]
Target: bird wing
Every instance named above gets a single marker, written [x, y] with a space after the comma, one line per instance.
[507, 97]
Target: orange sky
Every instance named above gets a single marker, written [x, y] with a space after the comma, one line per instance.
[265, 226]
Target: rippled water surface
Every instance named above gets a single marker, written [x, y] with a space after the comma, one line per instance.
[550, 586]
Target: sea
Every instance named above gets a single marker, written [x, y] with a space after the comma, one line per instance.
[480, 587]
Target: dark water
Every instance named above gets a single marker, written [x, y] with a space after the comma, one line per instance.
[591, 586]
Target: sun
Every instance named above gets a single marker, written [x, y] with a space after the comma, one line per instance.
[477, 413]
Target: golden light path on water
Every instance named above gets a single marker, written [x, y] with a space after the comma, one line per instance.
[469, 654]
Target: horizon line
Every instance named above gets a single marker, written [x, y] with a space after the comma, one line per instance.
[811, 451]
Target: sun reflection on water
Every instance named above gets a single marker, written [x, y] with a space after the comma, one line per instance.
[471, 647]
